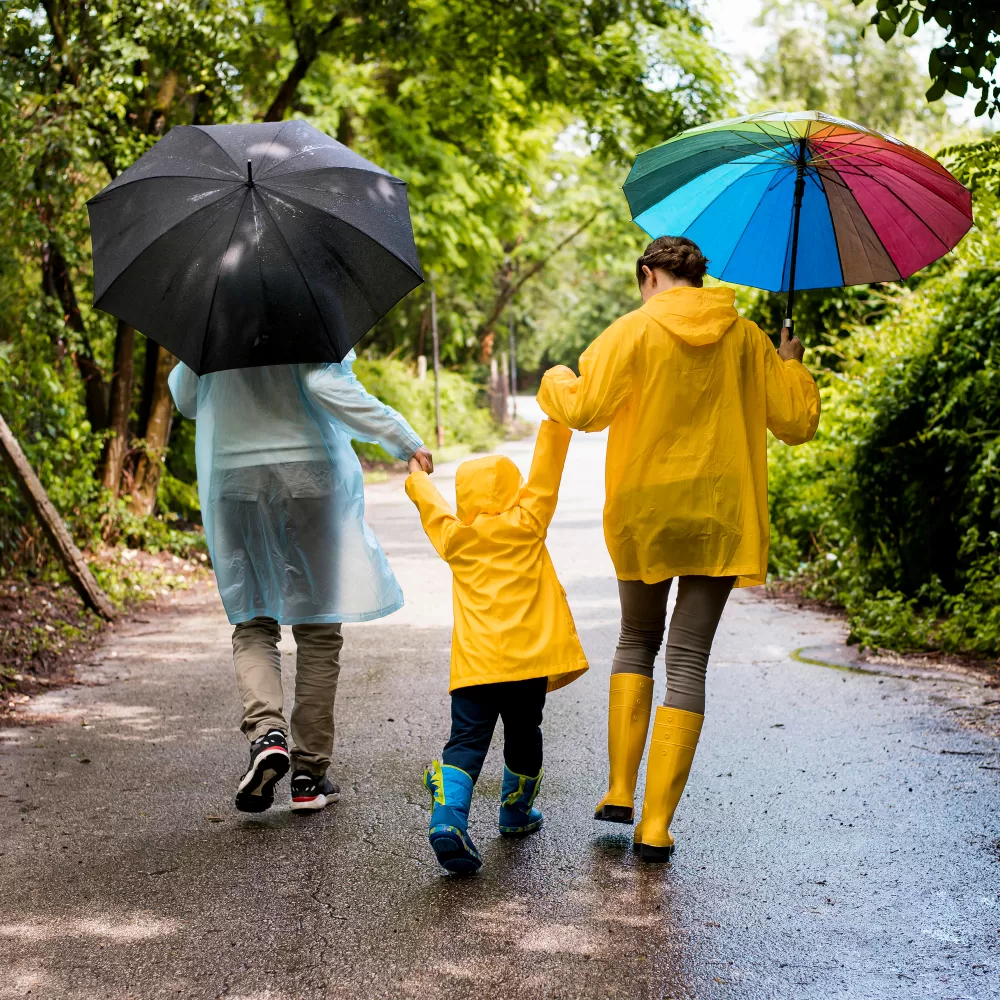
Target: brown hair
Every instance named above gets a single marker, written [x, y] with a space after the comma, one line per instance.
[677, 255]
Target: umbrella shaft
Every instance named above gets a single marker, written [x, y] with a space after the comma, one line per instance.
[800, 187]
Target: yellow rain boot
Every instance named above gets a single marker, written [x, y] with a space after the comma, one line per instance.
[671, 751]
[629, 702]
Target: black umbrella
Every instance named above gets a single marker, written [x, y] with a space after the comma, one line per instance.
[235, 246]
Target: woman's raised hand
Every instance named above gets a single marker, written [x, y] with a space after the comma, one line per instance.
[790, 349]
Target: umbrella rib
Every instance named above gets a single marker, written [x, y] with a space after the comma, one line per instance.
[218, 275]
[106, 194]
[851, 156]
[735, 180]
[372, 168]
[357, 229]
[274, 139]
[919, 218]
[892, 166]
[746, 138]
[823, 177]
[319, 312]
[179, 222]
[742, 237]
[886, 148]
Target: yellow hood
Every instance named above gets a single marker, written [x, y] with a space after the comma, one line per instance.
[698, 316]
[487, 485]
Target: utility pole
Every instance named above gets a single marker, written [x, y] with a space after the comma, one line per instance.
[513, 366]
[437, 366]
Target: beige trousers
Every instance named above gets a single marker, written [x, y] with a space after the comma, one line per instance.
[700, 602]
[317, 668]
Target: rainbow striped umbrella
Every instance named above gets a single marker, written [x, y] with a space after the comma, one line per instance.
[869, 207]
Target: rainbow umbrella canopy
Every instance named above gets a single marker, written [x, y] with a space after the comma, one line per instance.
[787, 200]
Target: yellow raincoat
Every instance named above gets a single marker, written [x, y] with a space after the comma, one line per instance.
[512, 621]
[689, 390]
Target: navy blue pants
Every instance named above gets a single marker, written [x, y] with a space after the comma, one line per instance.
[474, 714]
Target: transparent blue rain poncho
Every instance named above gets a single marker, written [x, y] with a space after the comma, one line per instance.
[281, 489]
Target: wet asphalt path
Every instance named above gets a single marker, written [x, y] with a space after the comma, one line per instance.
[828, 848]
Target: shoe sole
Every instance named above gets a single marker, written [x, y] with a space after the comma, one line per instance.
[454, 853]
[654, 855]
[520, 831]
[314, 803]
[255, 793]
[615, 814]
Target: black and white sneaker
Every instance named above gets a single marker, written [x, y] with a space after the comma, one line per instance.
[310, 794]
[268, 765]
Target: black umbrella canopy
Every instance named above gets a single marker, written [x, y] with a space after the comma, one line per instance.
[236, 246]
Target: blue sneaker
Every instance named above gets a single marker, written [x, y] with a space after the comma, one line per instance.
[451, 796]
[518, 817]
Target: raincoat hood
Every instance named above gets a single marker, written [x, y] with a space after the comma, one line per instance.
[487, 485]
[698, 316]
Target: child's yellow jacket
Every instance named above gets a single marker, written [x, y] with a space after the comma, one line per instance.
[512, 621]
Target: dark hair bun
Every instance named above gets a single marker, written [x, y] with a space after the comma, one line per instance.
[677, 255]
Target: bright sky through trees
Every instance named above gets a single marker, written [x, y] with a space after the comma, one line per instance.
[735, 32]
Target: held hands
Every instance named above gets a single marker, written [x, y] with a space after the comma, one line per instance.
[421, 461]
[790, 350]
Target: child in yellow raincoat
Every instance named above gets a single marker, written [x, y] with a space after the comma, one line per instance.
[514, 638]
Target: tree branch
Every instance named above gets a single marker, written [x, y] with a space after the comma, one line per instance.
[308, 44]
[59, 35]
[56, 283]
[510, 289]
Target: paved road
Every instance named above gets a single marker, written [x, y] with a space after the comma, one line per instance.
[828, 848]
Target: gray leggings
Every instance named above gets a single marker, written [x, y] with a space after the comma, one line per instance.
[700, 600]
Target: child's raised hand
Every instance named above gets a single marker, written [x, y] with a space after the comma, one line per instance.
[414, 466]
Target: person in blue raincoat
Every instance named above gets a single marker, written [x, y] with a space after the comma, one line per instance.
[282, 502]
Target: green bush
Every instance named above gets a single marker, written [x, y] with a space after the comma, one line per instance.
[894, 510]
[466, 422]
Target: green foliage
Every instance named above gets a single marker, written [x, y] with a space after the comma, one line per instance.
[56, 437]
[894, 510]
[968, 56]
[395, 383]
[822, 59]
[471, 103]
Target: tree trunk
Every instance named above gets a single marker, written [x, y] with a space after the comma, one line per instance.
[509, 288]
[345, 127]
[286, 92]
[56, 283]
[119, 408]
[148, 381]
[161, 413]
[308, 43]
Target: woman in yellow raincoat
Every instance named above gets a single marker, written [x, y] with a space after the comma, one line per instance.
[689, 390]
[513, 640]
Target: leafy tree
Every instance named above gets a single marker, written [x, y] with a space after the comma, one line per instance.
[822, 59]
[467, 101]
[968, 55]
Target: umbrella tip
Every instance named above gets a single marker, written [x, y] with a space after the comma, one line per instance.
[249, 173]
